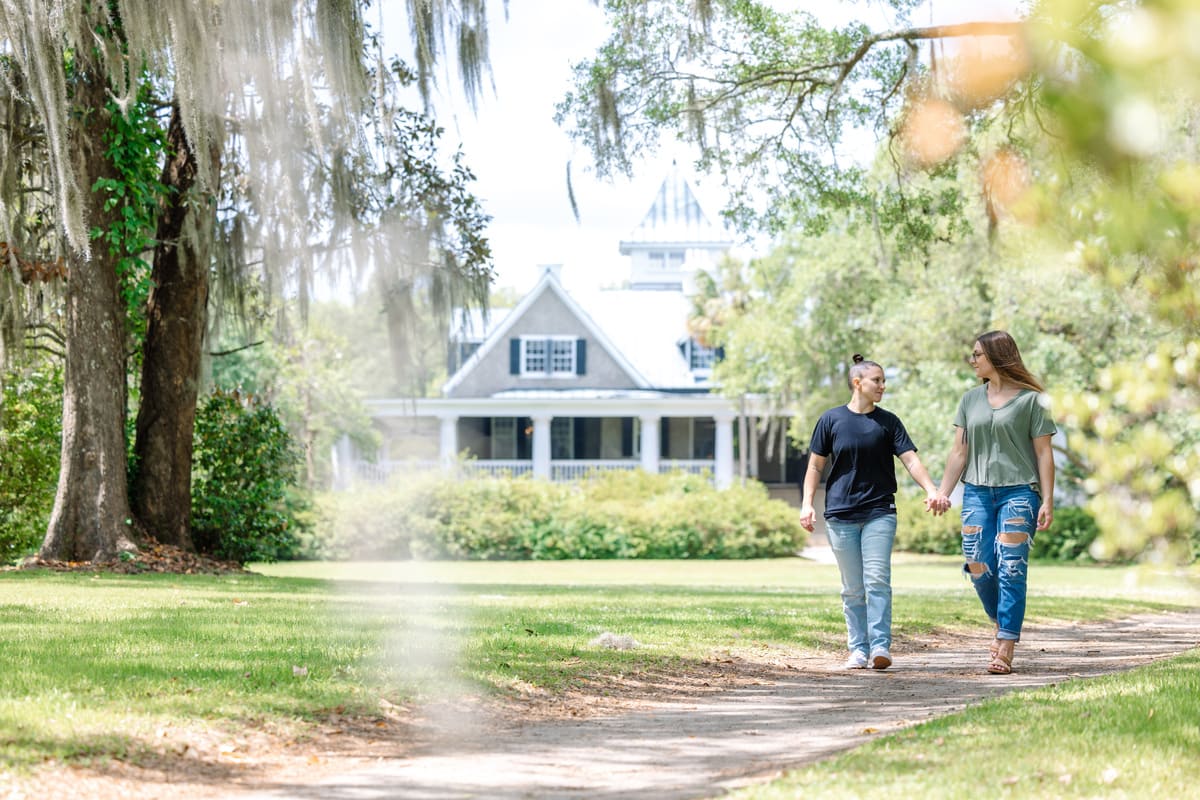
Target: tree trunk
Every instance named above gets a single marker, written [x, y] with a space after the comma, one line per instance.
[162, 498]
[91, 516]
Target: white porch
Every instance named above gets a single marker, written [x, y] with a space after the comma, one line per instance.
[551, 435]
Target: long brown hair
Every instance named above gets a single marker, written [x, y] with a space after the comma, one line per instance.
[1001, 349]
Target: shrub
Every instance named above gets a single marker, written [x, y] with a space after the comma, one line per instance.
[613, 515]
[246, 501]
[918, 531]
[1069, 538]
[30, 437]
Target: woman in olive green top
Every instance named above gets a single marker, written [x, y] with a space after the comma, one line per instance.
[1002, 453]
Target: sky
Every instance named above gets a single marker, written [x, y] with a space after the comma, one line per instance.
[520, 156]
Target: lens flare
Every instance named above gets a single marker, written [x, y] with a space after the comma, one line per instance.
[985, 68]
[932, 131]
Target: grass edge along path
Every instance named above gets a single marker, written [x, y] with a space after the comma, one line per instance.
[1131, 734]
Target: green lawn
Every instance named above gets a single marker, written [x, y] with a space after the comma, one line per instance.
[93, 666]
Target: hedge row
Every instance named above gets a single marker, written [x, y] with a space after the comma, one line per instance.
[612, 515]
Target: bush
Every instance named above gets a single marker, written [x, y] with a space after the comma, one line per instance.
[613, 515]
[30, 441]
[1069, 538]
[918, 531]
[246, 500]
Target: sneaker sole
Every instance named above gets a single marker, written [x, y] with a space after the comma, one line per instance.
[880, 662]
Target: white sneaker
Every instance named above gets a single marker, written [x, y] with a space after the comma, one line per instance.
[880, 658]
[857, 660]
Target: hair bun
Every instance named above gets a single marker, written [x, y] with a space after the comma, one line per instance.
[857, 358]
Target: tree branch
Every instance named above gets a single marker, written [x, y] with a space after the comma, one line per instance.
[911, 35]
[220, 353]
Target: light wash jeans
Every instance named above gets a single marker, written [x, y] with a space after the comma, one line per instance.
[864, 557]
[987, 512]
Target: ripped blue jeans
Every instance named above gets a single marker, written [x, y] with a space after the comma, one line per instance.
[989, 512]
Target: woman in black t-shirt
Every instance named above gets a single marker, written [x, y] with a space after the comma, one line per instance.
[858, 441]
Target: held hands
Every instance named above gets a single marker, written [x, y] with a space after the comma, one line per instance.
[937, 504]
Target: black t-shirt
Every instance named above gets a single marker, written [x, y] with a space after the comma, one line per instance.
[861, 484]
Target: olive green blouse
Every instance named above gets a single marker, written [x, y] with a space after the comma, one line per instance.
[1000, 440]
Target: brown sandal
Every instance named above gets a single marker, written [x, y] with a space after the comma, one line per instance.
[1001, 664]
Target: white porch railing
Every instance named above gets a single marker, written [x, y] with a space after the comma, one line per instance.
[578, 470]
[379, 471]
[496, 467]
[693, 466]
[561, 470]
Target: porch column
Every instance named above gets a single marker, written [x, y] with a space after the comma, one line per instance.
[541, 447]
[752, 444]
[650, 443]
[723, 466]
[448, 440]
[344, 458]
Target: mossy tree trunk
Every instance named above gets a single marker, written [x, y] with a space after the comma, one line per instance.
[91, 516]
[171, 356]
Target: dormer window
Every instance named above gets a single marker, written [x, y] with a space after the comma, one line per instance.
[666, 259]
[548, 356]
[700, 359]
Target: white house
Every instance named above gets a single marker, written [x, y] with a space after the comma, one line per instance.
[566, 383]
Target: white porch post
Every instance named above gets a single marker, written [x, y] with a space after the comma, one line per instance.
[650, 443]
[448, 440]
[541, 446]
[343, 456]
[723, 468]
[752, 444]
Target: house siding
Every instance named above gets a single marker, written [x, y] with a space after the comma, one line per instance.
[547, 316]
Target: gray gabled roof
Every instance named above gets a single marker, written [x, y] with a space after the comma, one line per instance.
[548, 283]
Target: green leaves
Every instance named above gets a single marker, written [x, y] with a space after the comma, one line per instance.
[30, 420]
[244, 501]
[135, 145]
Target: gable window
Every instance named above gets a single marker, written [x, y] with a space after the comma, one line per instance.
[548, 356]
[562, 356]
[533, 356]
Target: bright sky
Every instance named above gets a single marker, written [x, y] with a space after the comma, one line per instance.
[520, 156]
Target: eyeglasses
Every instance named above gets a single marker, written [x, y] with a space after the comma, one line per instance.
[975, 356]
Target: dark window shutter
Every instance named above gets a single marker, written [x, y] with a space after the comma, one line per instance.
[580, 356]
[514, 356]
[627, 436]
[719, 354]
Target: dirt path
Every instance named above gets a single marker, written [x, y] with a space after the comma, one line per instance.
[698, 747]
